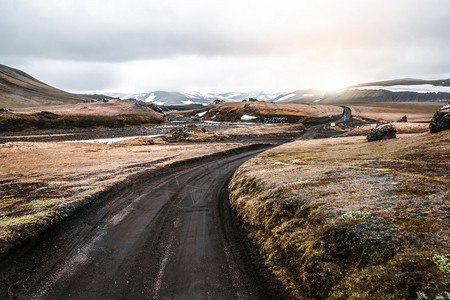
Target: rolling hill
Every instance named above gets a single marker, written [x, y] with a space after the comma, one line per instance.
[19, 89]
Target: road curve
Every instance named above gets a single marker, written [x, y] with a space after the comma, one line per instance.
[313, 131]
[168, 237]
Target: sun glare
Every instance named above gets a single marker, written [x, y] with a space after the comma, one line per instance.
[329, 85]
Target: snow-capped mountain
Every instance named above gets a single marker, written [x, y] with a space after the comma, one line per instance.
[398, 90]
[180, 98]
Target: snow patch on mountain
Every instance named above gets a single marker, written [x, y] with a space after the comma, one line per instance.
[248, 118]
[285, 97]
[150, 98]
[193, 97]
[418, 88]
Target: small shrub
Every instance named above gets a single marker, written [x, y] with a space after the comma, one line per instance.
[354, 215]
[81, 188]
[421, 296]
[46, 202]
[442, 262]
[34, 218]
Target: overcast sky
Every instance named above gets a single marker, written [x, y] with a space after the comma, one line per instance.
[239, 45]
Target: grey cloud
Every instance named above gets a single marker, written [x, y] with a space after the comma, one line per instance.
[383, 39]
[83, 35]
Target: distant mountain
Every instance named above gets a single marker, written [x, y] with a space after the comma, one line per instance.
[186, 98]
[397, 90]
[404, 81]
[19, 89]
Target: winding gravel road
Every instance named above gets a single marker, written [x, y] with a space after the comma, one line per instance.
[172, 236]
[167, 236]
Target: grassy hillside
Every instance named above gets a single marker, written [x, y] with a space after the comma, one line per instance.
[404, 81]
[18, 89]
[393, 111]
[342, 218]
[271, 112]
[99, 114]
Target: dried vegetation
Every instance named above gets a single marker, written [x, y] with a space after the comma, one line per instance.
[40, 181]
[342, 218]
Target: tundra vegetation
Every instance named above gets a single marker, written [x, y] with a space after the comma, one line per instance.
[111, 114]
[272, 112]
[43, 182]
[342, 218]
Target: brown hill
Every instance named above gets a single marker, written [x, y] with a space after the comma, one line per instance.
[18, 89]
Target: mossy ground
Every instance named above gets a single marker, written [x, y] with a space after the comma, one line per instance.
[346, 219]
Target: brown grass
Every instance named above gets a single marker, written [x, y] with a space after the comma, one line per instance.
[265, 130]
[112, 114]
[342, 218]
[285, 108]
[98, 108]
[39, 179]
[393, 111]
[19, 89]
[401, 128]
[292, 112]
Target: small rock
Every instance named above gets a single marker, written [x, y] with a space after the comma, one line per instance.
[48, 115]
[155, 107]
[177, 134]
[150, 142]
[441, 120]
[382, 132]
[403, 119]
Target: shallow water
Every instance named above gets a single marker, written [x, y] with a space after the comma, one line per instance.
[113, 140]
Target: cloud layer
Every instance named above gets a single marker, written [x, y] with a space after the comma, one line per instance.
[269, 45]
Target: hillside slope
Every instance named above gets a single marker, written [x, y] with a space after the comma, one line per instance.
[398, 90]
[346, 219]
[18, 89]
[267, 112]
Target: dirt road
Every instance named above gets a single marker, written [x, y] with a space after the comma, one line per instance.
[170, 236]
[313, 131]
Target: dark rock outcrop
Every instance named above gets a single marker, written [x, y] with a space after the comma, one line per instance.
[403, 119]
[441, 120]
[382, 132]
[176, 135]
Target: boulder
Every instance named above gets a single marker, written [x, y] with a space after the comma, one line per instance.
[403, 119]
[47, 115]
[176, 135]
[441, 120]
[382, 132]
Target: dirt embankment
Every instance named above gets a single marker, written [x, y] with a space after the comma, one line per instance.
[342, 218]
[99, 114]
